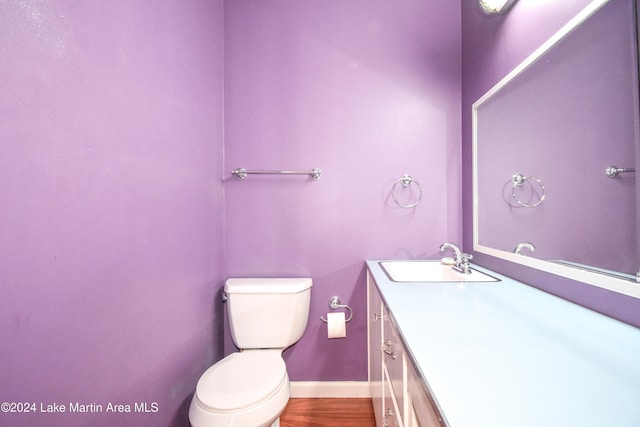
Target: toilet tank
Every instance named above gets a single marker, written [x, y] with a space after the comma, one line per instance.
[267, 312]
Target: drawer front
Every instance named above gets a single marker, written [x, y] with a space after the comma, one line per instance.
[391, 416]
[393, 353]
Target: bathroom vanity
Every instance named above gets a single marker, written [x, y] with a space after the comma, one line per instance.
[496, 354]
[399, 398]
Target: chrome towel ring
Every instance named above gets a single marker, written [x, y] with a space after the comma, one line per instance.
[518, 180]
[406, 181]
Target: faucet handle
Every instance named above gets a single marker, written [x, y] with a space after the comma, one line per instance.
[464, 267]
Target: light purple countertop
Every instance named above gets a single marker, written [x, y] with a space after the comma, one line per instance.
[504, 354]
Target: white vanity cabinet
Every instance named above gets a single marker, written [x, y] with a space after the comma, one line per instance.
[386, 370]
[460, 344]
[374, 310]
[398, 393]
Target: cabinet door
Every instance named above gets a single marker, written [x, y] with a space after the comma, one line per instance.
[375, 349]
[391, 415]
[423, 410]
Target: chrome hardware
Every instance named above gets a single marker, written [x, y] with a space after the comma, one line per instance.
[406, 181]
[518, 180]
[613, 171]
[384, 348]
[334, 304]
[524, 245]
[456, 250]
[241, 173]
[225, 297]
[462, 259]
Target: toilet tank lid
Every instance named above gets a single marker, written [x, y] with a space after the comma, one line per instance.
[255, 285]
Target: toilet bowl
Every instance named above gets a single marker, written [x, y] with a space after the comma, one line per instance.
[250, 388]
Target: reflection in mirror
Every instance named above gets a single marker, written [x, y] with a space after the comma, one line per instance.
[544, 138]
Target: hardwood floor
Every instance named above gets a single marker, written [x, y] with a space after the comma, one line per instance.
[328, 412]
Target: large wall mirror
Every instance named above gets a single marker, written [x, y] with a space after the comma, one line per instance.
[555, 147]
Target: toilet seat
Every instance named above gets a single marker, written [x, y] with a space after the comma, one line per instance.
[241, 380]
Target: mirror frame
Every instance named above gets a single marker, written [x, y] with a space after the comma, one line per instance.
[592, 277]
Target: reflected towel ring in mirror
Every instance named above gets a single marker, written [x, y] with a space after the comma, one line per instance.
[406, 181]
[518, 180]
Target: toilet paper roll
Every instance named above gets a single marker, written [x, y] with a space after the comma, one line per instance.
[336, 326]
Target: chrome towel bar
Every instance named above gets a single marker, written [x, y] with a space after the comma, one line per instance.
[241, 173]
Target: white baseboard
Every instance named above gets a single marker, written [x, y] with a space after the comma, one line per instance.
[311, 389]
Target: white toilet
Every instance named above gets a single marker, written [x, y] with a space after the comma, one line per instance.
[250, 388]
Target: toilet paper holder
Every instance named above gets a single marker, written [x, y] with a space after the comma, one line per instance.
[334, 304]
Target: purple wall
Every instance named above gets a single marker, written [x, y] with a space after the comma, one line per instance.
[111, 229]
[111, 218]
[493, 46]
[367, 91]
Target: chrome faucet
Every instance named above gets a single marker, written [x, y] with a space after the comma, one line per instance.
[461, 263]
[524, 245]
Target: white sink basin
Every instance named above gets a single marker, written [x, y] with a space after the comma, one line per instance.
[430, 271]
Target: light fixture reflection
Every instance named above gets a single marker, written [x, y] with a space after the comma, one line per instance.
[496, 6]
